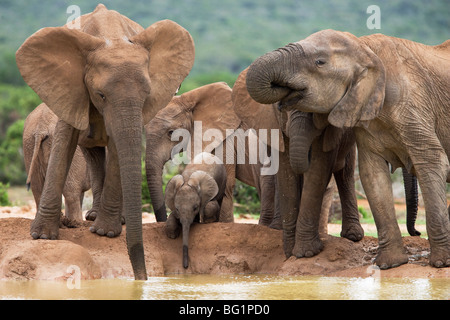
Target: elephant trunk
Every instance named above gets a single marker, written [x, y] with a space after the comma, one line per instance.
[154, 169]
[186, 227]
[301, 132]
[412, 200]
[127, 135]
[269, 77]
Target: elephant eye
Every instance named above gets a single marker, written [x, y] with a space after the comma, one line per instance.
[101, 95]
[169, 133]
[319, 62]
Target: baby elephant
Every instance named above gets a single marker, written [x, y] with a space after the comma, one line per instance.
[195, 195]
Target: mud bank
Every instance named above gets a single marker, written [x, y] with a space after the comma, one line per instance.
[217, 248]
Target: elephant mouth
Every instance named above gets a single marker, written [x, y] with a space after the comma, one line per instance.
[292, 99]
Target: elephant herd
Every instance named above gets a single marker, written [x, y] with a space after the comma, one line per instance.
[331, 98]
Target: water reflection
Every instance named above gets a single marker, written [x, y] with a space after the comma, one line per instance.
[236, 287]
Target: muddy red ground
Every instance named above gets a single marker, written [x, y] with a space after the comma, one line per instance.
[217, 248]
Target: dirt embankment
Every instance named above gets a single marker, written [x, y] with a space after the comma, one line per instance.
[217, 248]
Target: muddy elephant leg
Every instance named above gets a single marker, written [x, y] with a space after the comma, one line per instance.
[226, 208]
[74, 190]
[172, 227]
[345, 180]
[316, 179]
[432, 181]
[376, 181]
[267, 198]
[289, 187]
[109, 219]
[326, 206]
[95, 158]
[46, 222]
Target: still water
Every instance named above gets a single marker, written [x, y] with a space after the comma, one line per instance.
[234, 287]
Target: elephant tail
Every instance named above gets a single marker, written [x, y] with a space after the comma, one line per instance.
[34, 165]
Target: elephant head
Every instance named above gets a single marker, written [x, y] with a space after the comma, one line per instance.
[111, 76]
[301, 128]
[211, 104]
[188, 197]
[329, 72]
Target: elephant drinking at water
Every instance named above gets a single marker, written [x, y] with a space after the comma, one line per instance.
[395, 94]
[104, 81]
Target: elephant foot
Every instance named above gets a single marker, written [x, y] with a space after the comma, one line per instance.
[440, 258]
[172, 228]
[45, 226]
[110, 226]
[353, 232]
[71, 223]
[307, 248]
[91, 215]
[391, 258]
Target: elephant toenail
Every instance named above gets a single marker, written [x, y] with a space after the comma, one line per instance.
[101, 232]
[35, 235]
[110, 234]
[44, 236]
[92, 229]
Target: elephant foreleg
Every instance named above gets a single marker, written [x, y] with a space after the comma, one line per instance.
[95, 158]
[289, 186]
[316, 179]
[376, 181]
[109, 218]
[351, 227]
[46, 222]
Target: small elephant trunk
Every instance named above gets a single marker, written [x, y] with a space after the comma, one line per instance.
[186, 228]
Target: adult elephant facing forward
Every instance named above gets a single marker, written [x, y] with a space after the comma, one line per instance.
[104, 81]
[395, 93]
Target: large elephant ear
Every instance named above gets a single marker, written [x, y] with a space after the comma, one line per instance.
[52, 62]
[365, 96]
[211, 104]
[254, 114]
[171, 58]
[171, 189]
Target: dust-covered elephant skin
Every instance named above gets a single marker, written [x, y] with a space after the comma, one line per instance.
[195, 195]
[38, 134]
[310, 153]
[104, 81]
[395, 93]
[210, 107]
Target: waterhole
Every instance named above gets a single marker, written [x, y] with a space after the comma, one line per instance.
[235, 287]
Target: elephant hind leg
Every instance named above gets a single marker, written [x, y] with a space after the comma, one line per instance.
[351, 227]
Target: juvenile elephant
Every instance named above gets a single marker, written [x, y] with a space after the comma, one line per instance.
[104, 81]
[395, 94]
[308, 156]
[197, 111]
[195, 195]
[38, 135]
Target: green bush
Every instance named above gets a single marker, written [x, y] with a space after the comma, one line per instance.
[4, 199]
[246, 199]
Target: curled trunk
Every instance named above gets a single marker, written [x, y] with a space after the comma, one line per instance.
[269, 77]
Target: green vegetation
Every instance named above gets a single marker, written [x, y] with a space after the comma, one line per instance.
[4, 199]
[228, 36]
